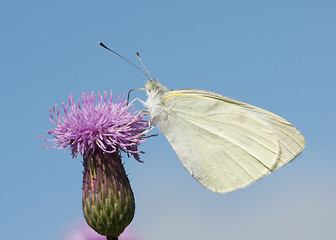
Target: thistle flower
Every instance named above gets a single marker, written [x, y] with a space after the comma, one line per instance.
[105, 128]
[100, 133]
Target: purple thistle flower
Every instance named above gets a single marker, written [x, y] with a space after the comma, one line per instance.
[100, 133]
[105, 128]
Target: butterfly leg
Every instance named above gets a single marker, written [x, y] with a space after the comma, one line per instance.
[150, 126]
[147, 131]
[129, 93]
[136, 99]
[136, 116]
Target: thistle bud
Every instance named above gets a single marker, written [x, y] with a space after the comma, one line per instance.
[108, 201]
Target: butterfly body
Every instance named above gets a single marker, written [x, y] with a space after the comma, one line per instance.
[155, 92]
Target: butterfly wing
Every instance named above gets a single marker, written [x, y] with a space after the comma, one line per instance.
[226, 144]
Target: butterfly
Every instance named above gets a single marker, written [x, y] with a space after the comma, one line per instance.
[224, 144]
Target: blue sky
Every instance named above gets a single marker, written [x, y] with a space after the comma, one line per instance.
[278, 55]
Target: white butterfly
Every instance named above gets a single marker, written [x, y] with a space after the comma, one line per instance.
[223, 143]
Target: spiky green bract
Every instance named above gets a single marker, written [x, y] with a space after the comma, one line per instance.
[108, 200]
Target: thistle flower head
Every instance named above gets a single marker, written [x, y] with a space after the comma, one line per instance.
[103, 128]
[100, 132]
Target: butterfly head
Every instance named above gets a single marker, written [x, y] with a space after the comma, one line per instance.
[153, 86]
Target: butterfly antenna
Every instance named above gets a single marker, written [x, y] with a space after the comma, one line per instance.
[138, 55]
[147, 75]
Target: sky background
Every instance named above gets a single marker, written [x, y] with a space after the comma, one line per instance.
[277, 55]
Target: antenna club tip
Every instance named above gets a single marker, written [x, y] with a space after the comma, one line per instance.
[103, 45]
[138, 54]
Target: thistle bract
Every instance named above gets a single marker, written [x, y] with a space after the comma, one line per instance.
[108, 201]
[100, 133]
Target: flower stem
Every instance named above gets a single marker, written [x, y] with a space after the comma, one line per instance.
[111, 238]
